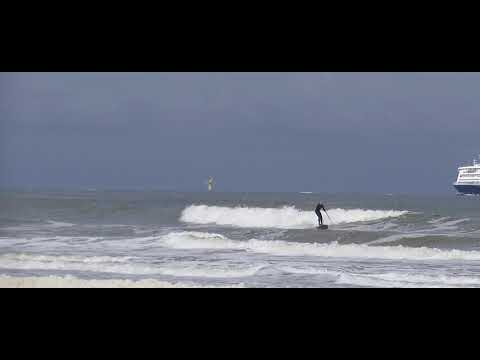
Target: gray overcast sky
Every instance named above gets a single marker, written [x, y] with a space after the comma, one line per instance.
[332, 132]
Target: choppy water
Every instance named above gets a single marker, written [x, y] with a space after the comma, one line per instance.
[156, 239]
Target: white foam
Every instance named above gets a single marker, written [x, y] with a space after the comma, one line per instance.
[283, 218]
[73, 282]
[102, 264]
[448, 225]
[397, 237]
[336, 250]
[442, 227]
[439, 220]
[124, 265]
[196, 240]
[408, 280]
[59, 224]
[211, 271]
[306, 270]
[50, 242]
[390, 279]
[65, 259]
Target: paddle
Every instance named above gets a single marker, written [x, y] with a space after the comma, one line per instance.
[329, 217]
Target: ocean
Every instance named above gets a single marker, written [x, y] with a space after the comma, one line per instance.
[185, 239]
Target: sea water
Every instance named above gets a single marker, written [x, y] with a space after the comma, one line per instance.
[180, 239]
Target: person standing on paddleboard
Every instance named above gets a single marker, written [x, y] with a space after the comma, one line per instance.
[319, 214]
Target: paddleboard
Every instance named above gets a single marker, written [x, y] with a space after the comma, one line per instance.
[322, 227]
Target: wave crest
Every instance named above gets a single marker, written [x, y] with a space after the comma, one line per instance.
[283, 218]
[73, 282]
[125, 265]
[195, 240]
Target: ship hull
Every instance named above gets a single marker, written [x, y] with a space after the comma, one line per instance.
[468, 189]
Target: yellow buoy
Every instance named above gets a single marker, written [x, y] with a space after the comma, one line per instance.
[210, 184]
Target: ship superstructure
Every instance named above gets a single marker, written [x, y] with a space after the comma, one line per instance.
[468, 179]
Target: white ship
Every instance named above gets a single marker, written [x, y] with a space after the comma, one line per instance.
[468, 180]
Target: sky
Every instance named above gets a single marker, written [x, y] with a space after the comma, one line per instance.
[319, 132]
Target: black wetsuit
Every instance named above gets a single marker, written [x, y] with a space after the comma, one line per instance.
[319, 214]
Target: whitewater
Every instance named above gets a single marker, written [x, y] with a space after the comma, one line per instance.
[162, 239]
[287, 217]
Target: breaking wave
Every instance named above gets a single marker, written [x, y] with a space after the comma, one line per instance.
[73, 282]
[389, 279]
[198, 240]
[283, 218]
[124, 265]
[402, 280]
[65, 259]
